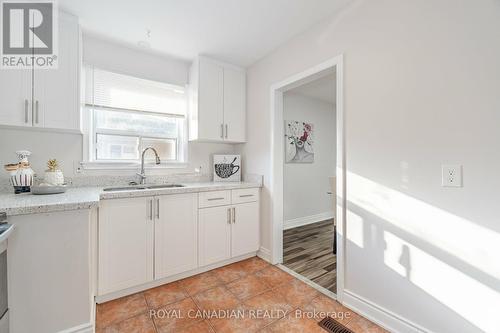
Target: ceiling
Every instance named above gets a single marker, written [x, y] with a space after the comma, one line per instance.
[322, 89]
[237, 31]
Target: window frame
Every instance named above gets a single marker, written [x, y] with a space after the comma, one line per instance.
[90, 132]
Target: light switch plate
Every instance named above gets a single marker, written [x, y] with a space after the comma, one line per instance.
[451, 175]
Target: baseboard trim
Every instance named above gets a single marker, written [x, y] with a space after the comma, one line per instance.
[379, 315]
[84, 328]
[156, 283]
[264, 254]
[298, 222]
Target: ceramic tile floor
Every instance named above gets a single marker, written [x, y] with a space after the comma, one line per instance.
[248, 296]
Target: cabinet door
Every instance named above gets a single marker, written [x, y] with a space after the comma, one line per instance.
[176, 234]
[15, 94]
[210, 101]
[214, 234]
[55, 92]
[125, 243]
[245, 229]
[234, 104]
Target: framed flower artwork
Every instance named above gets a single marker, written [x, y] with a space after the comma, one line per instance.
[299, 142]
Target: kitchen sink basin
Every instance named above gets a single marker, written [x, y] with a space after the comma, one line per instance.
[164, 186]
[125, 188]
[138, 188]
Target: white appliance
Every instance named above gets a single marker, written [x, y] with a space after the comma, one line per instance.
[5, 231]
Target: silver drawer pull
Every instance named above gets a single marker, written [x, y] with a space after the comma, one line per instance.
[212, 199]
[26, 110]
[246, 195]
[36, 111]
[229, 216]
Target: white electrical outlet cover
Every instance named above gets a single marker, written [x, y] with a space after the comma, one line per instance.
[451, 175]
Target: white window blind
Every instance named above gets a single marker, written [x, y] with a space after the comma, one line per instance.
[128, 114]
[117, 91]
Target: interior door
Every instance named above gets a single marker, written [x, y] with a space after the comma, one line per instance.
[234, 104]
[176, 234]
[214, 234]
[245, 229]
[126, 229]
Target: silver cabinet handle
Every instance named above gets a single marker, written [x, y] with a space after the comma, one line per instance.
[234, 215]
[246, 195]
[226, 131]
[157, 208]
[222, 131]
[212, 199]
[229, 216]
[151, 209]
[26, 111]
[36, 111]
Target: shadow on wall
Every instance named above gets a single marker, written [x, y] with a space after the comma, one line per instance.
[444, 263]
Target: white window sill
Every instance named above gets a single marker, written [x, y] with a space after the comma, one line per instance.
[130, 166]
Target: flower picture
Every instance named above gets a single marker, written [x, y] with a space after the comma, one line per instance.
[299, 142]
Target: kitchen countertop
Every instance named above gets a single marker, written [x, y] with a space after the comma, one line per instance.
[89, 197]
[27, 203]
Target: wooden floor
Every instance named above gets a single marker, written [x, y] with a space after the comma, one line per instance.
[308, 250]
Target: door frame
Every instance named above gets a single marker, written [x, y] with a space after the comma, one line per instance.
[277, 160]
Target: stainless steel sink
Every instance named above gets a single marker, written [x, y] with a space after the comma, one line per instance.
[138, 188]
[125, 188]
[164, 186]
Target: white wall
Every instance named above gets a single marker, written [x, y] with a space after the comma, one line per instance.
[421, 89]
[67, 148]
[306, 184]
[115, 57]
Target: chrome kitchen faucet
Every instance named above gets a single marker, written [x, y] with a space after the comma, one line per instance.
[142, 174]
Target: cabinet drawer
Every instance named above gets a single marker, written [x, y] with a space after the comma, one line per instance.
[214, 198]
[245, 195]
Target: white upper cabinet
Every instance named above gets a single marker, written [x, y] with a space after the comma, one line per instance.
[47, 98]
[15, 94]
[234, 104]
[55, 92]
[217, 108]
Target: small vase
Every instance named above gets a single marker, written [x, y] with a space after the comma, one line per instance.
[55, 177]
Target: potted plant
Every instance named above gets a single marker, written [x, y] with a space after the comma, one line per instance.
[53, 175]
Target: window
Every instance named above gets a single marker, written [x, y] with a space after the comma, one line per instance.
[125, 114]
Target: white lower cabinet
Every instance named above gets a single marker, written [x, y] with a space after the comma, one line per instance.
[125, 244]
[144, 239]
[214, 234]
[228, 231]
[176, 234]
[245, 229]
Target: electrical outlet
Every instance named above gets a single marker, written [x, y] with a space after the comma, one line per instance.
[451, 175]
[77, 167]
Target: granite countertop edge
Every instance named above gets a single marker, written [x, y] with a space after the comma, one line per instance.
[77, 198]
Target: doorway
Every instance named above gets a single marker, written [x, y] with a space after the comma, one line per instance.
[308, 152]
[309, 170]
